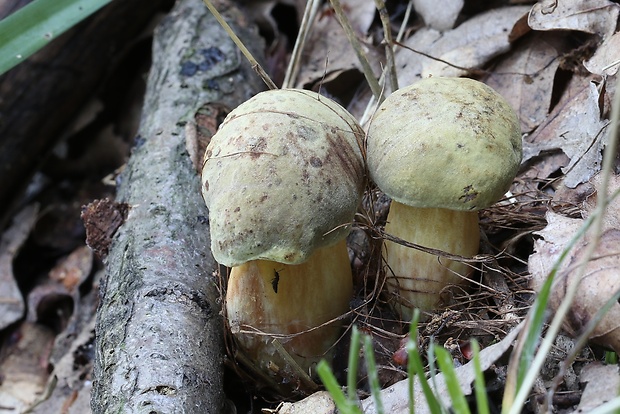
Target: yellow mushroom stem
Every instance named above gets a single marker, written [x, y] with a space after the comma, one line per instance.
[416, 278]
[266, 298]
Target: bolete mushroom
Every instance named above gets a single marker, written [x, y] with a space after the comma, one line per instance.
[282, 179]
[442, 149]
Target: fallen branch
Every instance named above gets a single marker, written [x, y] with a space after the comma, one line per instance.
[159, 345]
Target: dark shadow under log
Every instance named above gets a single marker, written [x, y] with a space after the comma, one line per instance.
[159, 345]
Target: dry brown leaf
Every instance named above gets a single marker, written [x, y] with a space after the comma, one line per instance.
[575, 127]
[611, 219]
[525, 78]
[327, 50]
[548, 248]
[50, 302]
[606, 59]
[599, 282]
[602, 384]
[591, 16]
[318, 403]
[71, 391]
[11, 300]
[439, 14]
[468, 46]
[74, 269]
[24, 371]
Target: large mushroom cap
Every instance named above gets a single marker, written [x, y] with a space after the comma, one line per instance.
[282, 176]
[444, 142]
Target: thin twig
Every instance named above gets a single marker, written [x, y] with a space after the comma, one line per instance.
[389, 40]
[372, 103]
[403, 26]
[292, 70]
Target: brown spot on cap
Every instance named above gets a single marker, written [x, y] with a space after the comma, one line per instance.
[316, 162]
[469, 194]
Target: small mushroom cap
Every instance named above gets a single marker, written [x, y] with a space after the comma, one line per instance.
[450, 143]
[282, 177]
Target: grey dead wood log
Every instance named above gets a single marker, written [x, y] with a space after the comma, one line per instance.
[159, 334]
[39, 97]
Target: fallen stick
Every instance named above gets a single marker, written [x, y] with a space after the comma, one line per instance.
[159, 345]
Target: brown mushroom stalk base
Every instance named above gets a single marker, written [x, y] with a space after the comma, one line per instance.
[416, 278]
[268, 300]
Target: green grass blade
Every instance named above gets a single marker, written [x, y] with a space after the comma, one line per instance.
[482, 399]
[431, 401]
[531, 338]
[38, 23]
[354, 356]
[331, 384]
[373, 377]
[540, 305]
[611, 358]
[411, 372]
[446, 364]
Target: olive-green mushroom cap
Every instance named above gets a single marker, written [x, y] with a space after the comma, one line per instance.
[282, 177]
[450, 143]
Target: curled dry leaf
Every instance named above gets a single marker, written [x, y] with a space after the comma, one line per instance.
[317, 403]
[598, 284]
[611, 219]
[56, 300]
[73, 373]
[452, 53]
[25, 370]
[525, 78]
[591, 16]
[439, 14]
[74, 269]
[11, 300]
[602, 384]
[576, 127]
[606, 59]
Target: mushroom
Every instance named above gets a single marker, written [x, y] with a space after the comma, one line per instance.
[442, 149]
[282, 179]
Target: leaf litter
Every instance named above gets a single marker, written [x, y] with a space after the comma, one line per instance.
[555, 62]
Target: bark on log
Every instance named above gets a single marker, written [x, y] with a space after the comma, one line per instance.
[40, 96]
[159, 345]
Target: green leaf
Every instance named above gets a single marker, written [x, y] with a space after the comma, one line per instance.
[38, 23]
[331, 384]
